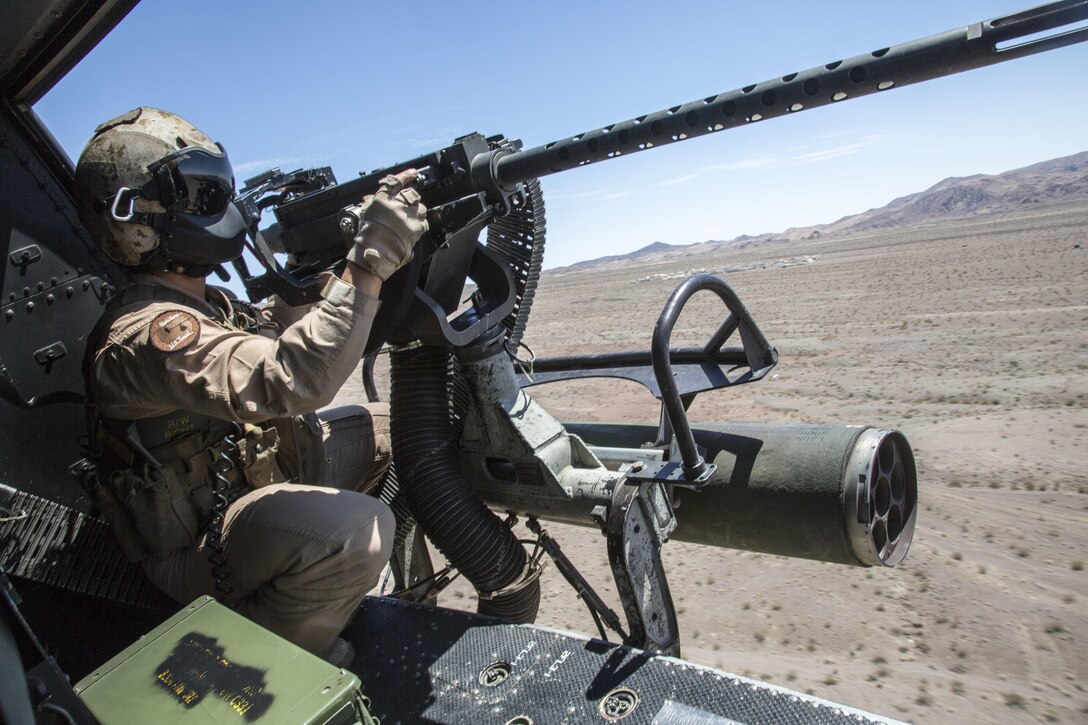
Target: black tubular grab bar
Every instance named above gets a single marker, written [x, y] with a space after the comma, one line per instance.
[761, 357]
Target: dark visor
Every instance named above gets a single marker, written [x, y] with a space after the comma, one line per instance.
[192, 180]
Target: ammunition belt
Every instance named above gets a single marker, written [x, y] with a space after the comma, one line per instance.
[52, 544]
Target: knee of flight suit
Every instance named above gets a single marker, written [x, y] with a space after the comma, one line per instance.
[370, 552]
[359, 536]
[283, 530]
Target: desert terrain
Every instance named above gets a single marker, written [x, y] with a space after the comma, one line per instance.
[968, 335]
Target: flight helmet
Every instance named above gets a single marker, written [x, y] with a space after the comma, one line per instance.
[155, 192]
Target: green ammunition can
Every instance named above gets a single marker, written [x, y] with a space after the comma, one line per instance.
[208, 664]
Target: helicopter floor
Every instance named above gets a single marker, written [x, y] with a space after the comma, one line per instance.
[422, 664]
[416, 663]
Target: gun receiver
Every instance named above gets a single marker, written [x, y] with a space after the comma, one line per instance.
[477, 180]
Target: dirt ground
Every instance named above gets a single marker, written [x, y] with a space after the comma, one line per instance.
[970, 337]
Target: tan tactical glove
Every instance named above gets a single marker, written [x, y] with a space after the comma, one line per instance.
[385, 227]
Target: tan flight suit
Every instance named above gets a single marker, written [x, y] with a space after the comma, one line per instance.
[299, 558]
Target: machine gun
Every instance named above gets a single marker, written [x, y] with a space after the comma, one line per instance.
[459, 187]
[479, 180]
[844, 493]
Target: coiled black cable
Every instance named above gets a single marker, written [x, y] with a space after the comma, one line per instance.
[213, 529]
[467, 533]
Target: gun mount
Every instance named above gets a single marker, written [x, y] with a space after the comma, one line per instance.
[840, 493]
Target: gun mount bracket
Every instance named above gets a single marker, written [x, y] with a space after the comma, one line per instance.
[603, 616]
[640, 520]
[484, 171]
[495, 298]
[669, 473]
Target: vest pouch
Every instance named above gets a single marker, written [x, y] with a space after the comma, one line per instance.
[157, 508]
[301, 448]
[109, 503]
[258, 456]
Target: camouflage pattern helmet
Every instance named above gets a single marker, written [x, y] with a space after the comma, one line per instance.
[137, 214]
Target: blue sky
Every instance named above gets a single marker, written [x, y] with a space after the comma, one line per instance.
[359, 85]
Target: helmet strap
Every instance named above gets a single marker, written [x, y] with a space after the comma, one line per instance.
[156, 221]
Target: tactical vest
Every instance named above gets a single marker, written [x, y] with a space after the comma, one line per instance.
[157, 476]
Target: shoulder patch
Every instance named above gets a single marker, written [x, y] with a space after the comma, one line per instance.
[174, 330]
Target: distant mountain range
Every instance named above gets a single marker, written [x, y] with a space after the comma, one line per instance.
[1049, 182]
